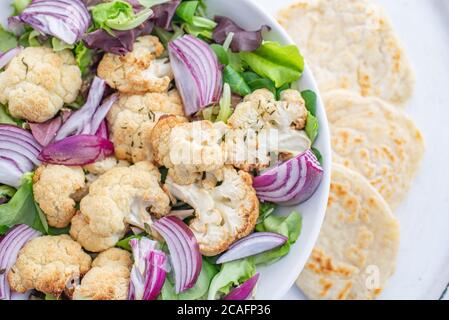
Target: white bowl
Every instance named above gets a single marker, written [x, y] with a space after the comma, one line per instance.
[277, 278]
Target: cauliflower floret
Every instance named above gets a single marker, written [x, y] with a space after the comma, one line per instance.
[96, 169]
[188, 149]
[37, 83]
[100, 167]
[121, 196]
[57, 189]
[224, 212]
[108, 279]
[265, 126]
[49, 264]
[132, 119]
[139, 71]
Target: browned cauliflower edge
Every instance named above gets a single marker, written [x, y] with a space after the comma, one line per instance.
[48, 264]
[56, 189]
[37, 83]
[108, 279]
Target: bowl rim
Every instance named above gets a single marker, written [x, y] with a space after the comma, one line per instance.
[288, 280]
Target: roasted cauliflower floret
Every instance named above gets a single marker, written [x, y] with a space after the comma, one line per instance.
[49, 264]
[96, 169]
[121, 196]
[188, 149]
[132, 119]
[100, 167]
[57, 189]
[139, 71]
[37, 83]
[108, 279]
[265, 127]
[224, 212]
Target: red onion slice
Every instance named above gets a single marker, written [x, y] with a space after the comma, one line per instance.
[184, 251]
[46, 132]
[303, 177]
[243, 291]
[6, 57]
[149, 270]
[66, 20]
[10, 246]
[10, 173]
[77, 150]
[20, 134]
[251, 245]
[197, 73]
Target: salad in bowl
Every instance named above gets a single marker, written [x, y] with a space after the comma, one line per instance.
[155, 149]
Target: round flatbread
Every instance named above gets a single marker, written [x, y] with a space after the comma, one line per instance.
[375, 139]
[356, 251]
[350, 44]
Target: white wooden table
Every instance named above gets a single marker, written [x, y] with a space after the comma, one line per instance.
[423, 266]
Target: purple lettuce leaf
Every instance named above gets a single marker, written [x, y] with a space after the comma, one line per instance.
[243, 40]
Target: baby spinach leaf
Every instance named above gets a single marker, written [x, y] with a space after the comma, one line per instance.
[312, 127]
[318, 155]
[236, 81]
[23, 209]
[310, 99]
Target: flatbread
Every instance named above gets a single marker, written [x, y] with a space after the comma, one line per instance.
[356, 251]
[375, 139]
[350, 44]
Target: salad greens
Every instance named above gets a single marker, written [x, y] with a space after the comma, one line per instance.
[198, 292]
[194, 22]
[118, 15]
[7, 40]
[20, 5]
[236, 81]
[281, 64]
[225, 104]
[124, 243]
[231, 274]
[22, 209]
[289, 226]
[83, 56]
[265, 210]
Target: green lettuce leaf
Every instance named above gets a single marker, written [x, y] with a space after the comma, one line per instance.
[231, 275]
[198, 291]
[194, 23]
[265, 210]
[289, 226]
[83, 57]
[118, 15]
[281, 64]
[7, 40]
[5, 118]
[59, 45]
[22, 209]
